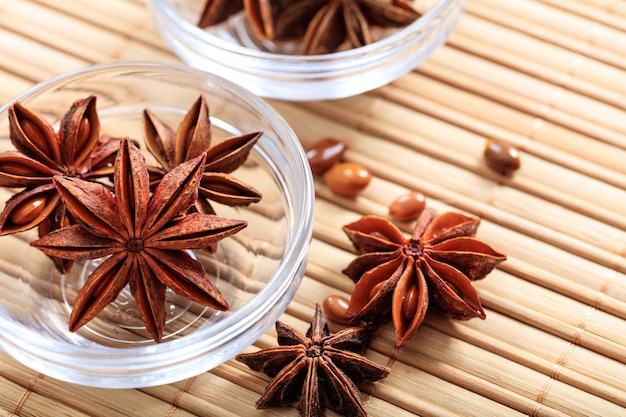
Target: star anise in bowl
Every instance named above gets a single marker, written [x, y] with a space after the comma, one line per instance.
[144, 236]
[319, 368]
[321, 25]
[76, 150]
[305, 50]
[399, 277]
[257, 271]
[192, 138]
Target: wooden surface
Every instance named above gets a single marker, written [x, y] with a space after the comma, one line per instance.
[548, 76]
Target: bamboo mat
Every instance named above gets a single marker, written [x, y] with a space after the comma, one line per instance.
[548, 76]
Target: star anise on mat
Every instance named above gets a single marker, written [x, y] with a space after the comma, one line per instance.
[323, 25]
[400, 276]
[145, 237]
[192, 138]
[76, 150]
[318, 367]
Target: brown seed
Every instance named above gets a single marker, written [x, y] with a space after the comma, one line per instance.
[347, 178]
[375, 290]
[407, 207]
[36, 135]
[501, 157]
[335, 307]
[28, 210]
[83, 133]
[324, 154]
[409, 303]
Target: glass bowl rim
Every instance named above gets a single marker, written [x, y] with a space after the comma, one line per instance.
[211, 337]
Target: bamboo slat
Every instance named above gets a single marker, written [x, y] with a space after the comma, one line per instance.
[121, 16]
[57, 30]
[547, 76]
[608, 12]
[90, 401]
[444, 66]
[569, 31]
[11, 85]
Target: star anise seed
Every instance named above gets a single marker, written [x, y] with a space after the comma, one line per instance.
[350, 20]
[192, 138]
[399, 276]
[76, 150]
[319, 368]
[145, 237]
[322, 25]
[216, 11]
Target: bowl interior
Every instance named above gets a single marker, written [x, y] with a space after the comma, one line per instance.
[257, 270]
[231, 50]
[237, 33]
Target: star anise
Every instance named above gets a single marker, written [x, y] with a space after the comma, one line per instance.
[145, 237]
[319, 368]
[76, 150]
[323, 25]
[192, 138]
[397, 275]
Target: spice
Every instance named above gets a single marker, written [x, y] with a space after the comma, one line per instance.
[335, 307]
[341, 20]
[316, 366]
[216, 11]
[192, 138]
[501, 157]
[399, 277]
[407, 207]
[145, 238]
[324, 154]
[76, 150]
[347, 178]
[321, 25]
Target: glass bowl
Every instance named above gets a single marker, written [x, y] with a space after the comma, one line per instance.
[232, 51]
[258, 270]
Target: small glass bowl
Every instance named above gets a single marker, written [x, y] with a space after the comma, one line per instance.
[258, 270]
[232, 51]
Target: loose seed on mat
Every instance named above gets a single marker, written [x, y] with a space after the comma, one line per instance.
[407, 207]
[335, 307]
[501, 157]
[324, 154]
[347, 178]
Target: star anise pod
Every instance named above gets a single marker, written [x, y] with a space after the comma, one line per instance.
[322, 24]
[399, 275]
[145, 237]
[76, 150]
[216, 11]
[319, 368]
[192, 138]
[350, 20]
